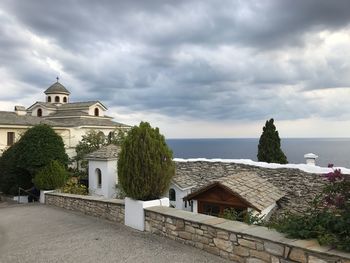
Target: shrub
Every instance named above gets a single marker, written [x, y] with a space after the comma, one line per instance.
[328, 218]
[73, 187]
[145, 165]
[36, 149]
[11, 176]
[247, 217]
[269, 148]
[50, 177]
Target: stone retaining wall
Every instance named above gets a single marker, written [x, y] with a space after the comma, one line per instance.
[233, 240]
[236, 241]
[110, 209]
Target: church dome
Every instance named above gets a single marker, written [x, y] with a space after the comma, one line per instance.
[57, 88]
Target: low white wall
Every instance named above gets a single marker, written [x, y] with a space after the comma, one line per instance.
[135, 214]
[22, 199]
[42, 195]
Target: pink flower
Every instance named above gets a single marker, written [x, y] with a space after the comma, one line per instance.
[335, 175]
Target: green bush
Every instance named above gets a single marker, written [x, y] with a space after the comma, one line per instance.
[73, 187]
[247, 217]
[145, 165]
[35, 149]
[328, 218]
[11, 176]
[51, 177]
[38, 147]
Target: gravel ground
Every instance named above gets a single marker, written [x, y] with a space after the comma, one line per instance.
[39, 233]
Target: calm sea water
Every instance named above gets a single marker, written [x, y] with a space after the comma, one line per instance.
[333, 150]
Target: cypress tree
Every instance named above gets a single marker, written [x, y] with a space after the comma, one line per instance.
[145, 165]
[269, 148]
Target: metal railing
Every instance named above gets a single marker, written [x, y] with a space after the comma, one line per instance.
[25, 191]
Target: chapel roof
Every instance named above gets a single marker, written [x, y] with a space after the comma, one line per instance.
[249, 186]
[68, 106]
[81, 104]
[57, 88]
[104, 153]
[11, 118]
[86, 121]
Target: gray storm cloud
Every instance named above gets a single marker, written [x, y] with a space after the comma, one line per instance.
[209, 60]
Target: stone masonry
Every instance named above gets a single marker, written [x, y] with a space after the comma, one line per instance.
[300, 187]
[110, 209]
[236, 241]
[232, 240]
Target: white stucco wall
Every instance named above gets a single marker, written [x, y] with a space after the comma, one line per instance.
[92, 110]
[61, 96]
[135, 213]
[71, 135]
[195, 206]
[3, 136]
[109, 178]
[45, 111]
[180, 194]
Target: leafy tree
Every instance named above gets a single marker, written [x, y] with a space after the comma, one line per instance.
[50, 177]
[37, 148]
[269, 148]
[94, 140]
[145, 165]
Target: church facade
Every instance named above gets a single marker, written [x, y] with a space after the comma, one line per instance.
[71, 120]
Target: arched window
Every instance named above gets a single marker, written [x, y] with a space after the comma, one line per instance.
[65, 99]
[101, 136]
[39, 113]
[98, 177]
[172, 194]
[97, 112]
[49, 99]
[111, 137]
[57, 99]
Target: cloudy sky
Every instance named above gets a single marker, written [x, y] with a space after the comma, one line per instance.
[192, 68]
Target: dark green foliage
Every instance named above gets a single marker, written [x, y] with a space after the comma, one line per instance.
[269, 148]
[50, 177]
[36, 148]
[327, 227]
[145, 165]
[328, 219]
[11, 176]
[247, 217]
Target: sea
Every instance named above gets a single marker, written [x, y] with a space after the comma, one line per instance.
[329, 150]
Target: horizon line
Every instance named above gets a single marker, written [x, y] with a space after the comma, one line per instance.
[211, 138]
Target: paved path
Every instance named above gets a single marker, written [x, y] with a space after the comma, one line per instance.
[38, 233]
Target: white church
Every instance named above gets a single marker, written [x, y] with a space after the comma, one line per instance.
[71, 120]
